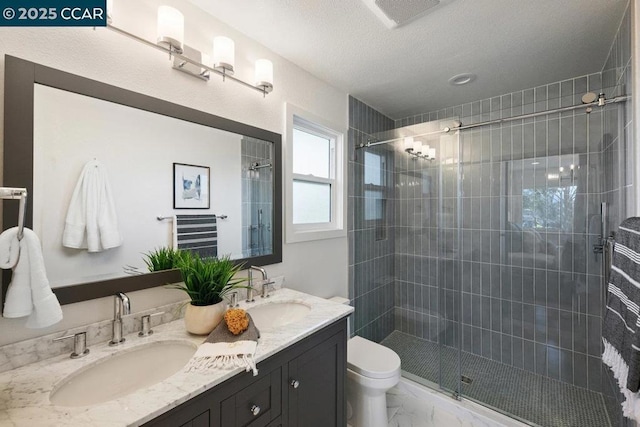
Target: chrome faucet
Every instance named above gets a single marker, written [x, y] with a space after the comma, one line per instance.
[250, 290]
[121, 306]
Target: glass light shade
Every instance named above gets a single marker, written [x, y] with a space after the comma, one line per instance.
[170, 28]
[264, 74]
[425, 150]
[432, 153]
[109, 11]
[417, 147]
[223, 54]
[408, 143]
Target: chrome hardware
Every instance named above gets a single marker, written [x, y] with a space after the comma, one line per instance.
[265, 288]
[598, 248]
[250, 295]
[250, 289]
[295, 383]
[234, 300]
[121, 306]
[146, 324]
[79, 344]
[255, 410]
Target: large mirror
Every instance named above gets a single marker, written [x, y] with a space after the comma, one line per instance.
[164, 164]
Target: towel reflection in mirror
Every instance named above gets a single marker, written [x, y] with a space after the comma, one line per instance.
[92, 222]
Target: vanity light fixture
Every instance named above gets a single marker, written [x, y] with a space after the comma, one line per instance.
[417, 150]
[171, 29]
[170, 39]
[417, 147]
[408, 144]
[264, 75]
[223, 55]
[189, 68]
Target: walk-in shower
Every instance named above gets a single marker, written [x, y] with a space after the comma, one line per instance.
[480, 264]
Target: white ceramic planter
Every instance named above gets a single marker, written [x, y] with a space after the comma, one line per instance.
[201, 320]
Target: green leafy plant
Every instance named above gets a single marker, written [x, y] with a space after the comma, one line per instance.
[164, 259]
[207, 281]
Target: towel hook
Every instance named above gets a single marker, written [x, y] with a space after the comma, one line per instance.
[10, 193]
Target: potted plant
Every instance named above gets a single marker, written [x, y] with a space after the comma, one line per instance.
[206, 281]
[163, 259]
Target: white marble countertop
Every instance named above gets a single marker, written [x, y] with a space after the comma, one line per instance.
[24, 392]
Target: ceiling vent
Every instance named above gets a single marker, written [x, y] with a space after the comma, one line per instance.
[394, 13]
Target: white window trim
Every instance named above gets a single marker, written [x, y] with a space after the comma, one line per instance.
[338, 226]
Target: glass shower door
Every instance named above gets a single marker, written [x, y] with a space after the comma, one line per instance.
[449, 247]
[426, 241]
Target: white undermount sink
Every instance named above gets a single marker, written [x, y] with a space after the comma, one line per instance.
[273, 315]
[123, 373]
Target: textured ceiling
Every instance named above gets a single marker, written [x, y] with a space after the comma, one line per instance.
[509, 44]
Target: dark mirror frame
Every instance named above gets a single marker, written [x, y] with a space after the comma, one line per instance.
[20, 78]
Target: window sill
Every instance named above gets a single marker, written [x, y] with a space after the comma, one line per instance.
[310, 235]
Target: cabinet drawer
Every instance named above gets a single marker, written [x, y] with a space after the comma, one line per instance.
[256, 405]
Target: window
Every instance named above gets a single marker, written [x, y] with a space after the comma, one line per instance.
[313, 175]
[375, 193]
[315, 194]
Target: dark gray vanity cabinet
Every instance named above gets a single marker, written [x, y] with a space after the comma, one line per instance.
[316, 395]
[302, 385]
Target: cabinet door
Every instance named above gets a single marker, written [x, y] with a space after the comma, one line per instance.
[316, 385]
[256, 405]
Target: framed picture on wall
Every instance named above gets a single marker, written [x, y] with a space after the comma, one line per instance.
[191, 185]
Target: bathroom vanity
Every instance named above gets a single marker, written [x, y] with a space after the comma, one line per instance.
[301, 379]
[302, 385]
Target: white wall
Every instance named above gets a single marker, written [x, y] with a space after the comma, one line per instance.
[318, 267]
[138, 149]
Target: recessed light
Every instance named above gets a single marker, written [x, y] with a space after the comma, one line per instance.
[462, 79]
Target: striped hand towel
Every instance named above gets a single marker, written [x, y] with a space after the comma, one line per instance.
[621, 329]
[197, 233]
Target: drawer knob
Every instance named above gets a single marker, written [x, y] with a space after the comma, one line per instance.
[255, 410]
[295, 383]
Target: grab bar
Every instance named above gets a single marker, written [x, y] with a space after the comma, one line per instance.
[11, 193]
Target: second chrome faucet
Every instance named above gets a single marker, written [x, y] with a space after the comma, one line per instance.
[250, 290]
[121, 307]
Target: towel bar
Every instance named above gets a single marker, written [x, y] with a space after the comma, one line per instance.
[170, 218]
[11, 193]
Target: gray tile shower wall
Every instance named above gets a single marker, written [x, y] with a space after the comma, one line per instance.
[370, 220]
[531, 190]
[257, 200]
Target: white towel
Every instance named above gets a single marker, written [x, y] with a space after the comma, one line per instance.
[224, 350]
[92, 222]
[29, 293]
[224, 355]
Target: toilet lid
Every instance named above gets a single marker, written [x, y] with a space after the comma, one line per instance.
[370, 359]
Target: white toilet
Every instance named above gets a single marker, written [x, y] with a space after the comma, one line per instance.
[372, 370]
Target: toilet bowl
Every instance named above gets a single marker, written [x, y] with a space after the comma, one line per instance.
[372, 370]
